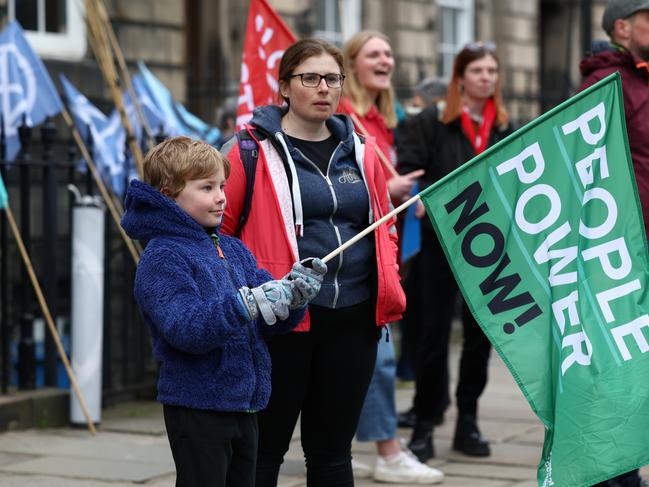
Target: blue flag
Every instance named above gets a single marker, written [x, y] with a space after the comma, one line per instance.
[129, 166]
[181, 122]
[26, 90]
[205, 131]
[140, 132]
[154, 117]
[411, 231]
[107, 133]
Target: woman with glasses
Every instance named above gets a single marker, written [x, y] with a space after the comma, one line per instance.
[368, 97]
[317, 184]
[473, 119]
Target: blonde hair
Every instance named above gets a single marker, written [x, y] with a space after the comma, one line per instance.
[352, 89]
[173, 162]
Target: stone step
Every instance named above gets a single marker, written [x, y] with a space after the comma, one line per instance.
[40, 408]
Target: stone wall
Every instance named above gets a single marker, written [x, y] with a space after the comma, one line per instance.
[413, 27]
[198, 56]
[151, 31]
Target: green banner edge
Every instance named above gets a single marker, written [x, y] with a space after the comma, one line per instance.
[612, 78]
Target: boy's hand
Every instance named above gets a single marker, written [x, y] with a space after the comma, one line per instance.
[307, 280]
[271, 300]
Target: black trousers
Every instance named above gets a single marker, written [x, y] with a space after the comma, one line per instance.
[629, 479]
[324, 375]
[432, 291]
[211, 448]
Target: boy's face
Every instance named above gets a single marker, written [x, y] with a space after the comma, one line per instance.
[204, 199]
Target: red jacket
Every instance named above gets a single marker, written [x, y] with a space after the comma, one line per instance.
[269, 230]
[635, 89]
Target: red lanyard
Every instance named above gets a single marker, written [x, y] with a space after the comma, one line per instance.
[479, 141]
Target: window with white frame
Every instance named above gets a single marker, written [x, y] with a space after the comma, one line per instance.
[455, 30]
[54, 28]
[337, 20]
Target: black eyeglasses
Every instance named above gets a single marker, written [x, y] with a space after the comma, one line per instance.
[313, 80]
[487, 46]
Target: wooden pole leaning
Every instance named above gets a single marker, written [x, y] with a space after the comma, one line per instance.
[48, 319]
[116, 215]
[119, 55]
[371, 228]
[104, 55]
[382, 157]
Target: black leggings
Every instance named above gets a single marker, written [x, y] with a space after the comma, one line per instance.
[629, 479]
[431, 290]
[324, 374]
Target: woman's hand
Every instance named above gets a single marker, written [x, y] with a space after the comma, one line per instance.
[420, 210]
[307, 275]
[400, 186]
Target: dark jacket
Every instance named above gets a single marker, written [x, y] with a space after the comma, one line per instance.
[425, 142]
[334, 209]
[606, 59]
[211, 356]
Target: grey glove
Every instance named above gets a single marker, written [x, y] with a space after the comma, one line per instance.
[271, 300]
[307, 275]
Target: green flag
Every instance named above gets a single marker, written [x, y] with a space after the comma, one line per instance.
[545, 236]
[4, 199]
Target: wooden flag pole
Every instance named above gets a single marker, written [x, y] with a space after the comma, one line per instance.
[103, 54]
[48, 319]
[370, 229]
[100, 184]
[382, 157]
[119, 55]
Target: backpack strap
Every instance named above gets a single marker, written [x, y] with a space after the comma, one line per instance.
[249, 153]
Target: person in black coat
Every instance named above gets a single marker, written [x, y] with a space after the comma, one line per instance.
[438, 140]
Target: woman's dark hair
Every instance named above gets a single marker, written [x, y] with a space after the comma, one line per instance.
[471, 52]
[302, 50]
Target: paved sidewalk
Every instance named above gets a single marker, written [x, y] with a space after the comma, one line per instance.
[131, 447]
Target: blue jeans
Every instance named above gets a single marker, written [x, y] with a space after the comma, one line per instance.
[378, 419]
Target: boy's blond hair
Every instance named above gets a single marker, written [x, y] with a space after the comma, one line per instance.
[173, 162]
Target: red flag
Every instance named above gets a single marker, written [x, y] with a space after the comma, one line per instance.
[266, 39]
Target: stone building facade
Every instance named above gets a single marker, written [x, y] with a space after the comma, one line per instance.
[195, 47]
[539, 42]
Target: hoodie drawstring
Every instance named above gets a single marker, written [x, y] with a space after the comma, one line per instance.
[295, 188]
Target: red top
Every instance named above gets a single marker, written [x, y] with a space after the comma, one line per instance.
[375, 125]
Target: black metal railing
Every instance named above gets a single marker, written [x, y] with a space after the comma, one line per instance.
[39, 199]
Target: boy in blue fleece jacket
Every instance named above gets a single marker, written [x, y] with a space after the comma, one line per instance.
[208, 307]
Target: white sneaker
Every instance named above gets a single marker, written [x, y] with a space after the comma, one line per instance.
[361, 471]
[405, 468]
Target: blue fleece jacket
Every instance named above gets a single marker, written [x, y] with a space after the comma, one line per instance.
[211, 356]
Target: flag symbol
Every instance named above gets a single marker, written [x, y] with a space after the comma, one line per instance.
[27, 93]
